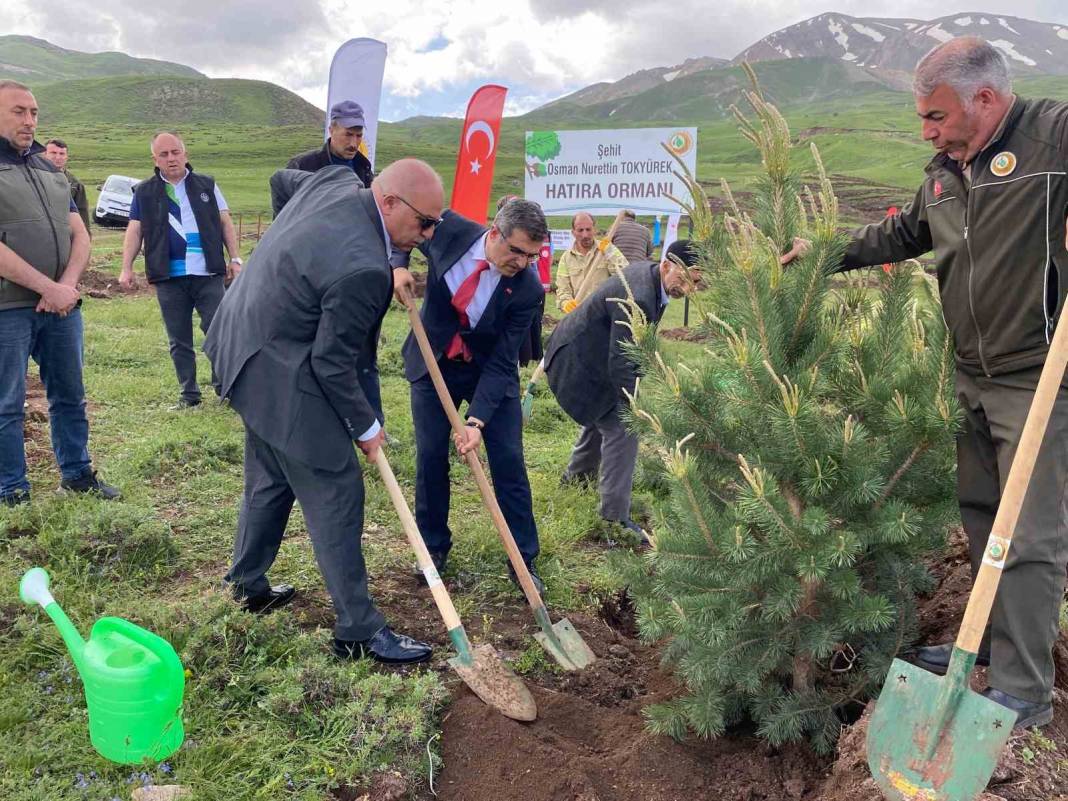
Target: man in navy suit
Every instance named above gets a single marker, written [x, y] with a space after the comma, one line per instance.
[479, 304]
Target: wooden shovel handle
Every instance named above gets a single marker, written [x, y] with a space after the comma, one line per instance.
[1012, 498]
[415, 539]
[489, 500]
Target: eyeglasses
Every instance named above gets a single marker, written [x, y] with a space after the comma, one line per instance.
[424, 221]
[529, 257]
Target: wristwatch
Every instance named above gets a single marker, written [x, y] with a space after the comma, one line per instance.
[237, 260]
[474, 423]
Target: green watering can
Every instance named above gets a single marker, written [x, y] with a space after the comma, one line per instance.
[133, 681]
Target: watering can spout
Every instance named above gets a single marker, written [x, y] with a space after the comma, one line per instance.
[33, 589]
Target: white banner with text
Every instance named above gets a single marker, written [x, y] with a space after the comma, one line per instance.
[601, 172]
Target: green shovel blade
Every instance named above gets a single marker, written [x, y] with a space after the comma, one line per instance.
[527, 404]
[931, 738]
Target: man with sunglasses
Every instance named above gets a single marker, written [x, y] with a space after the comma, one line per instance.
[479, 304]
[285, 343]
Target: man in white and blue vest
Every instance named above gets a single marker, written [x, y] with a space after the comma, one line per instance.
[183, 221]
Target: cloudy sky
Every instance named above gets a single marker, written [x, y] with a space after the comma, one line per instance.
[440, 51]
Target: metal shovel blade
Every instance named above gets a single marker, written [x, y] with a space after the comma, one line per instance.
[566, 645]
[494, 682]
[931, 738]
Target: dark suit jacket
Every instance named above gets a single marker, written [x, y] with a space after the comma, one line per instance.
[287, 337]
[315, 160]
[584, 360]
[495, 341]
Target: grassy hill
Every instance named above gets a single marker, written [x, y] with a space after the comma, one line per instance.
[132, 100]
[868, 135]
[35, 61]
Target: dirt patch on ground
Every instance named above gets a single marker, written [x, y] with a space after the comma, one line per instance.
[35, 434]
[684, 335]
[103, 285]
[590, 742]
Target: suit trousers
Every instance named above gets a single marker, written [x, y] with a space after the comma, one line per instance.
[608, 446]
[333, 510]
[503, 438]
[177, 298]
[1024, 620]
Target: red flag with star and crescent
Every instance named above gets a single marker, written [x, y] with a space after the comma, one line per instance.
[478, 153]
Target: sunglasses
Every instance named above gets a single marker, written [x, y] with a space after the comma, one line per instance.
[424, 221]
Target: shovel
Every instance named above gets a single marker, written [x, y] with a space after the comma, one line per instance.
[931, 738]
[527, 403]
[561, 640]
[481, 668]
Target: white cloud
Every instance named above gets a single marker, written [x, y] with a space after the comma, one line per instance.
[438, 53]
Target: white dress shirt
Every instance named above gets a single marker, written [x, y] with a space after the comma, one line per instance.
[487, 282]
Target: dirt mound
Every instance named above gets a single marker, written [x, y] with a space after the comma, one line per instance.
[590, 741]
[684, 335]
[104, 285]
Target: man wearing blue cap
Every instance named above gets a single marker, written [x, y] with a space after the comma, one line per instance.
[343, 146]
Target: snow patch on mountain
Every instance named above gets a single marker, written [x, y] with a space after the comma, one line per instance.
[937, 33]
[869, 32]
[1009, 49]
[963, 22]
[838, 32]
[1004, 24]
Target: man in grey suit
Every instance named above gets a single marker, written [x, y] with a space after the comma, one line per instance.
[285, 344]
[589, 372]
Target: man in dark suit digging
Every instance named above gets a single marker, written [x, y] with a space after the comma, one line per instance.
[590, 373]
[479, 304]
[285, 344]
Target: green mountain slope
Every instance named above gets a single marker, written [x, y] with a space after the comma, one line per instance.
[158, 101]
[34, 61]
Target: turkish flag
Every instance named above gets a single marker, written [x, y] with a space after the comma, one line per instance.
[478, 153]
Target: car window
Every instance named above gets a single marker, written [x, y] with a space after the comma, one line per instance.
[120, 185]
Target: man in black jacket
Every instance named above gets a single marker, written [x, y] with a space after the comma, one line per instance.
[992, 207]
[285, 344]
[479, 304]
[343, 146]
[590, 373]
[183, 221]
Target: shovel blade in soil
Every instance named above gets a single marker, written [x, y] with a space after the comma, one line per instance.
[931, 738]
[566, 646]
[492, 681]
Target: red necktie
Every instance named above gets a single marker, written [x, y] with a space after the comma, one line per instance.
[461, 299]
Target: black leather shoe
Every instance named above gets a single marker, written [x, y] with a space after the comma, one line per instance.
[386, 646]
[438, 559]
[89, 484]
[184, 403]
[935, 658]
[539, 585]
[15, 498]
[1028, 713]
[583, 480]
[265, 602]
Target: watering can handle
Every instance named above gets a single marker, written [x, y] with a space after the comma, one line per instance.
[150, 642]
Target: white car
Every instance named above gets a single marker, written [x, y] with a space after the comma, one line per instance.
[113, 205]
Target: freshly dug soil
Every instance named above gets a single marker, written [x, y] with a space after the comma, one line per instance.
[590, 742]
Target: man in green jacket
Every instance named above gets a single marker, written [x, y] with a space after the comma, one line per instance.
[993, 208]
[56, 152]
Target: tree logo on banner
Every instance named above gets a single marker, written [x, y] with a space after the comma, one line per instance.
[479, 126]
[680, 143]
[542, 146]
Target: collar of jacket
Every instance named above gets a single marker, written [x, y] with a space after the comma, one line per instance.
[8, 150]
[941, 160]
[188, 166]
[359, 158]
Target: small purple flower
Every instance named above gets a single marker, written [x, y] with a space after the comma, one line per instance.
[165, 767]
